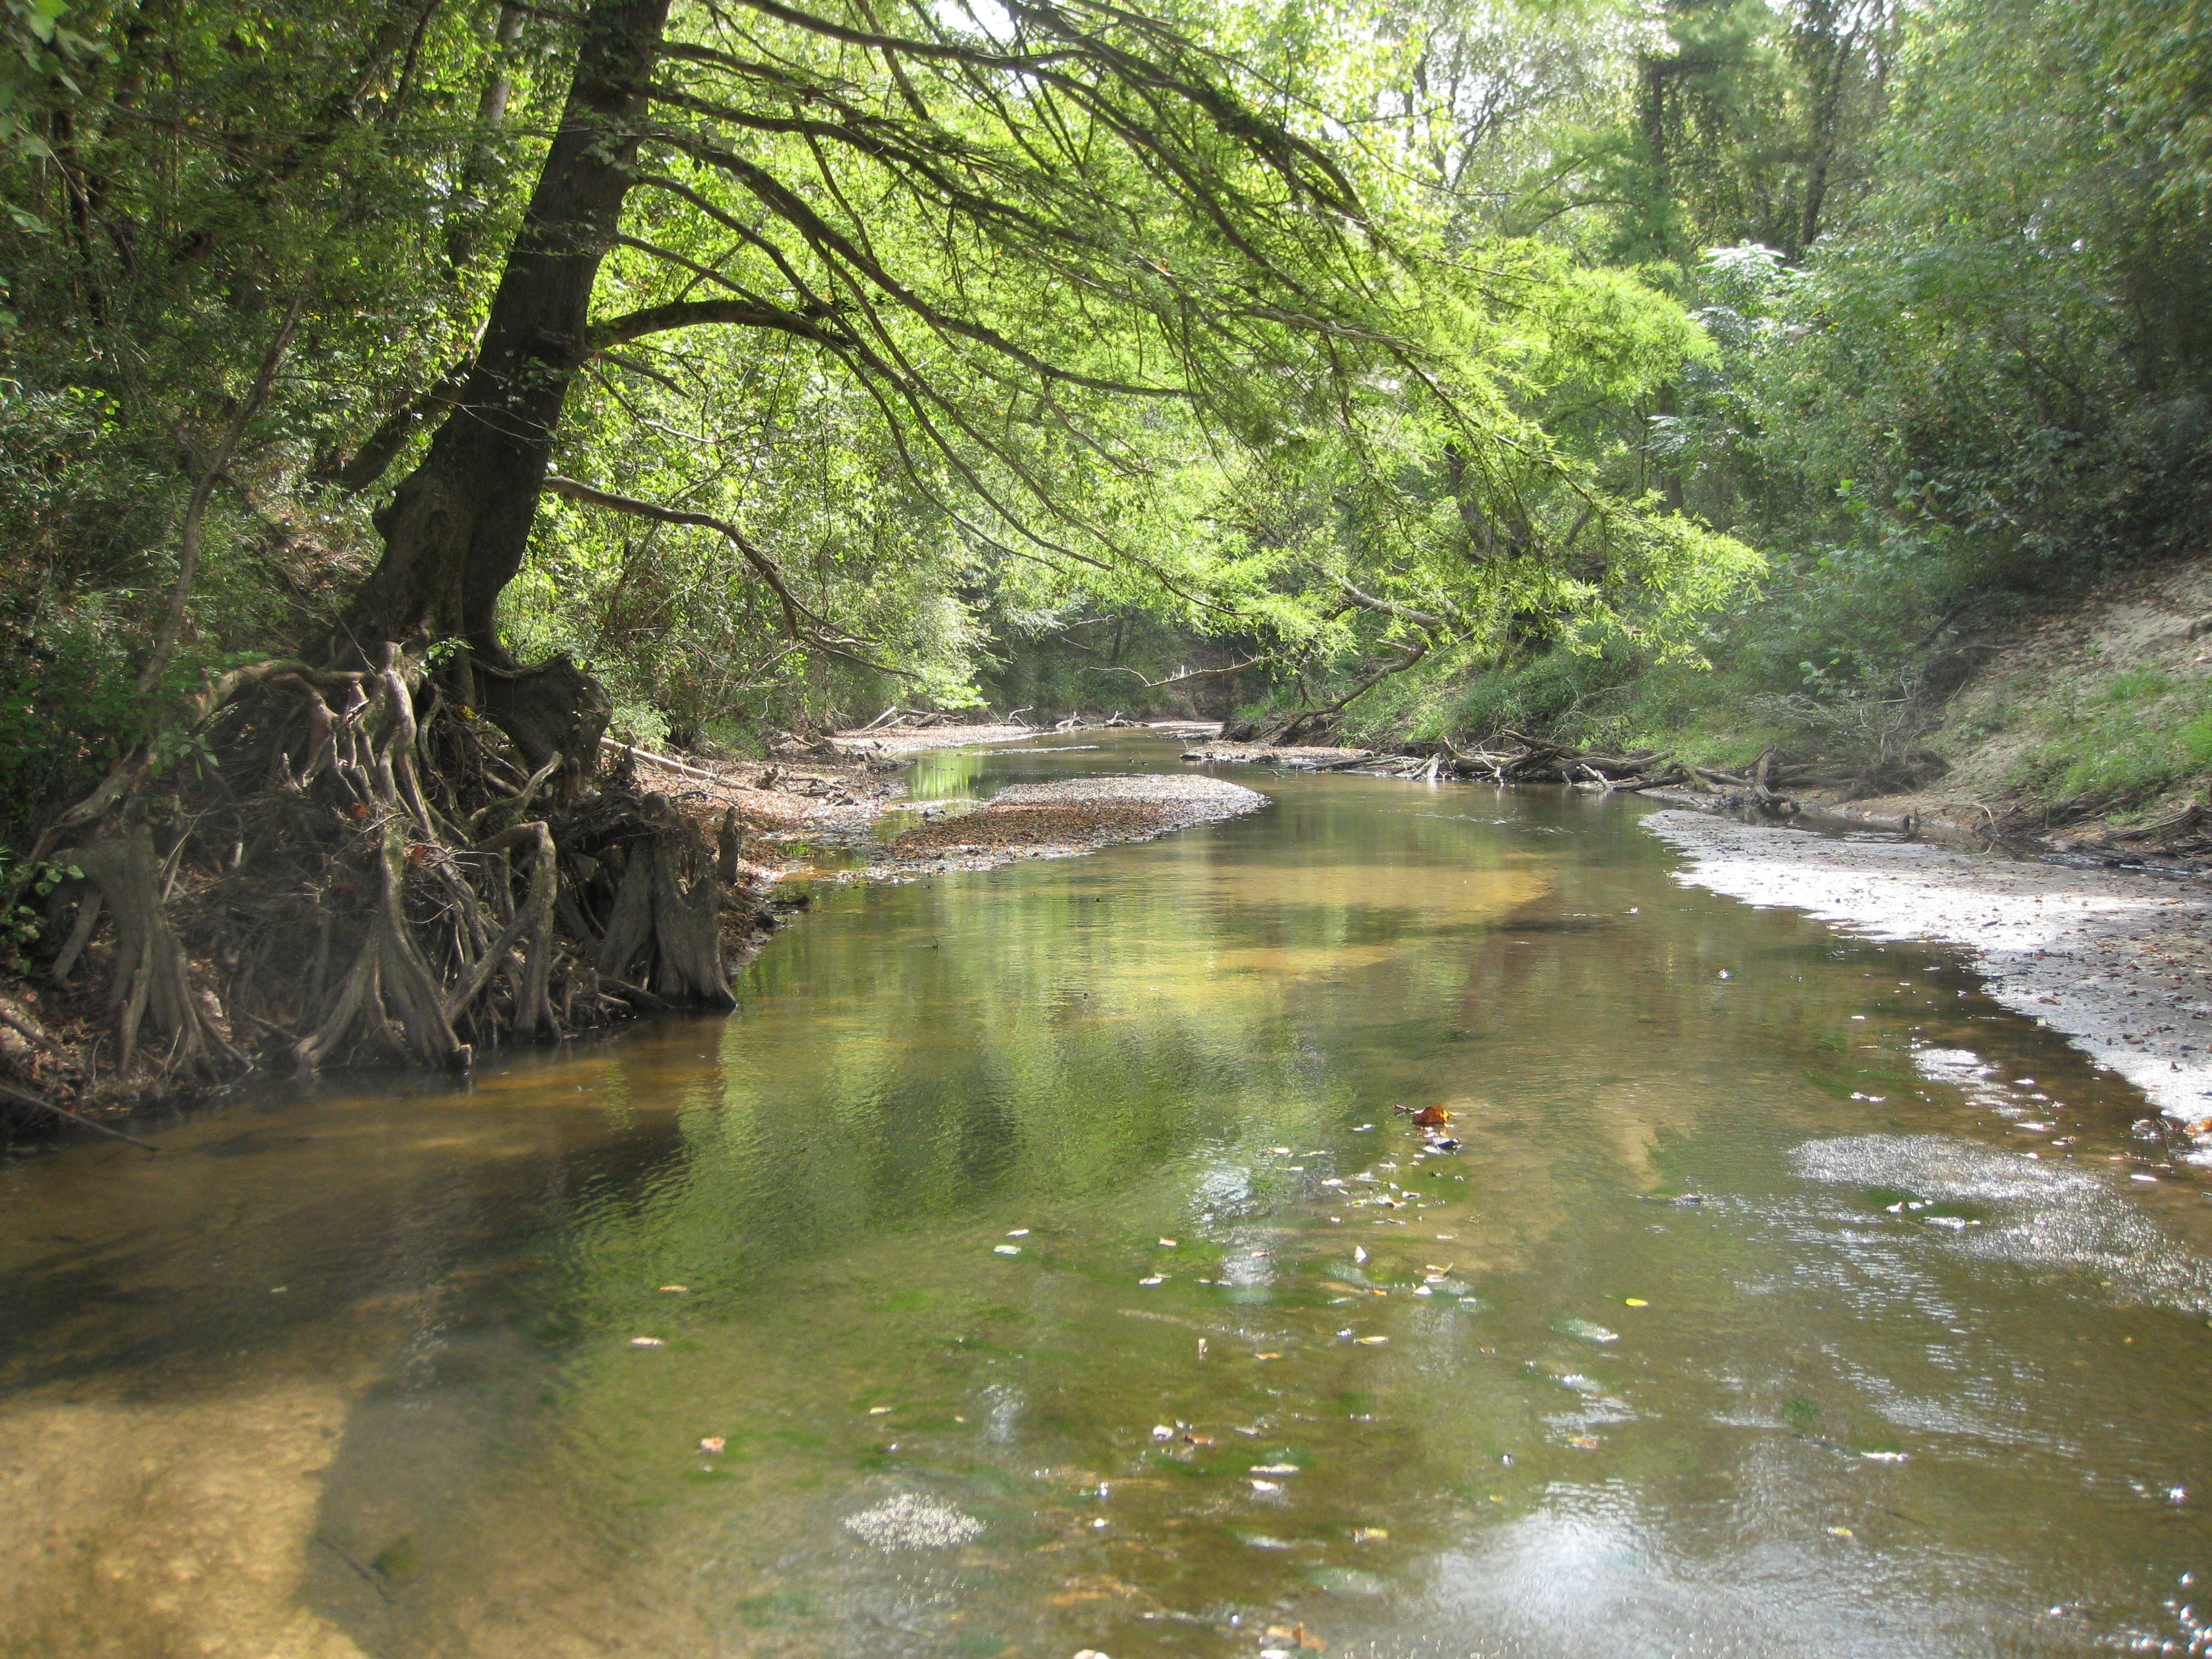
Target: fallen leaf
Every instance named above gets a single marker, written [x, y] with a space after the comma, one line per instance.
[1841, 1532]
[1261, 1356]
[1163, 1431]
[1586, 1442]
[712, 1444]
[646, 1342]
[1169, 1244]
[1359, 1254]
[1432, 1117]
[1369, 1535]
[674, 1289]
[1267, 1486]
[1006, 1249]
[1634, 1302]
[1156, 1279]
[1371, 1341]
[881, 1410]
[1274, 1468]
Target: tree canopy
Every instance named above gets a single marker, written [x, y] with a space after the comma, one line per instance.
[1343, 339]
[892, 320]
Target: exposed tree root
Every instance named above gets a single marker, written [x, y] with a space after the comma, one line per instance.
[152, 978]
[665, 932]
[391, 996]
[383, 864]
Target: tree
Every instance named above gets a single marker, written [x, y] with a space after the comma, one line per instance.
[1105, 300]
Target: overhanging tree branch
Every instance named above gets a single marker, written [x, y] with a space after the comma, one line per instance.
[1193, 674]
[810, 324]
[769, 572]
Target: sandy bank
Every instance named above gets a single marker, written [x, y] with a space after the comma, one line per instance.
[2121, 964]
[914, 740]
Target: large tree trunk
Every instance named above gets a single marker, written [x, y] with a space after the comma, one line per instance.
[455, 533]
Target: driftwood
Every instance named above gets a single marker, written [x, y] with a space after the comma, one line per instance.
[896, 719]
[661, 761]
[1509, 756]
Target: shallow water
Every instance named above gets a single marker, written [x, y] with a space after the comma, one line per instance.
[1058, 1272]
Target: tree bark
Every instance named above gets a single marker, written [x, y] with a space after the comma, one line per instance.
[456, 531]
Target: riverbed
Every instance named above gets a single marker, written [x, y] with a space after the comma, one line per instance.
[1045, 1259]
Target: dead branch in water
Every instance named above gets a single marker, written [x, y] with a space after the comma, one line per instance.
[25, 1097]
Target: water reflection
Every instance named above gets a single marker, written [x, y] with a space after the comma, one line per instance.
[1068, 1201]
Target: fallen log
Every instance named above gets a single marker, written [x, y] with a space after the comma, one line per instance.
[652, 759]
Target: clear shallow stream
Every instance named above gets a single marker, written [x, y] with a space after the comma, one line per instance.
[1740, 1322]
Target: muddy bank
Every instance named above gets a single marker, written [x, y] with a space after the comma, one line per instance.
[2119, 963]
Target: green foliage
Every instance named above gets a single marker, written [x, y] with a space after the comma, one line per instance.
[1192, 352]
[67, 710]
[1974, 376]
[21, 926]
[1477, 362]
[2125, 741]
[42, 61]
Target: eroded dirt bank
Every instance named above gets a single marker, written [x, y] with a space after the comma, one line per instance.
[2120, 963]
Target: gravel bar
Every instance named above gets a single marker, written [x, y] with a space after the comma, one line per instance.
[1064, 816]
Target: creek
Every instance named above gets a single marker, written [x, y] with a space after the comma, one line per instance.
[1043, 1260]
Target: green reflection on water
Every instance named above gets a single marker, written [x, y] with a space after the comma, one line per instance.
[1660, 1368]
[946, 773]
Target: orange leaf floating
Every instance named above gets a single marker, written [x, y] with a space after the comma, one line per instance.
[1432, 1117]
